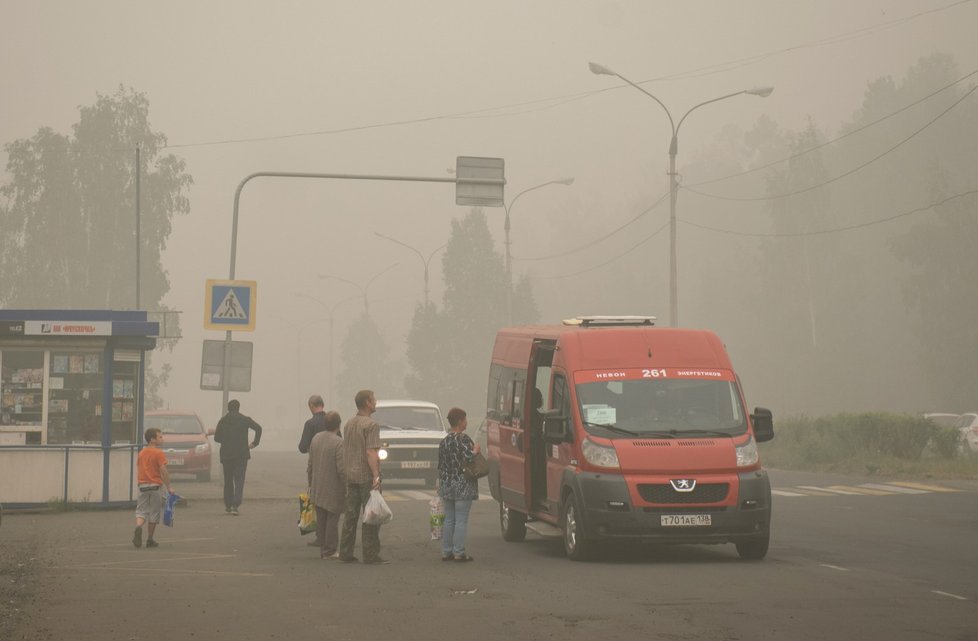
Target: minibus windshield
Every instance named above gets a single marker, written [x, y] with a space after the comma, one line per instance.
[661, 407]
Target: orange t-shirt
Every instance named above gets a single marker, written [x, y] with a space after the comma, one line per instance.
[151, 460]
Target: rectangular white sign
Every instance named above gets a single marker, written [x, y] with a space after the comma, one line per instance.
[68, 328]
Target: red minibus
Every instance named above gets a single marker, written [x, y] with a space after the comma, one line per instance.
[607, 428]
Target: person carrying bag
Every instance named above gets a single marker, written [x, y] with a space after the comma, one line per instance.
[456, 489]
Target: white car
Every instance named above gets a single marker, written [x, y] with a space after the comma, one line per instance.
[410, 432]
[968, 424]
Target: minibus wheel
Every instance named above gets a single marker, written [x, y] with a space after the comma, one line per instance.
[575, 545]
[754, 549]
[512, 523]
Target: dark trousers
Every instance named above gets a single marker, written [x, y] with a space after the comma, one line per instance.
[356, 497]
[234, 477]
[327, 531]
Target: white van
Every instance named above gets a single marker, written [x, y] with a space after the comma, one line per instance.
[410, 432]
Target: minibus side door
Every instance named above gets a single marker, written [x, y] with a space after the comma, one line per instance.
[512, 455]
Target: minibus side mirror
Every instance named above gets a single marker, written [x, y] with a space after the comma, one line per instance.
[763, 424]
[556, 428]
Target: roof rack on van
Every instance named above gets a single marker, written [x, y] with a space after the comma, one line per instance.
[617, 321]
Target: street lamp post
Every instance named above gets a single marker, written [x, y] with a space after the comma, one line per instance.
[329, 362]
[509, 257]
[763, 92]
[424, 260]
[363, 288]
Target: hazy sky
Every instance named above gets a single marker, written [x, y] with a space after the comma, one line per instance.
[403, 88]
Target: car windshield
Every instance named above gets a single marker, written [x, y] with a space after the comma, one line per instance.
[174, 424]
[661, 407]
[407, 418]
[966, 420]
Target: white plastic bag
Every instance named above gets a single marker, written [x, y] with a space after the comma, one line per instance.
[376, 511]
[437, 518]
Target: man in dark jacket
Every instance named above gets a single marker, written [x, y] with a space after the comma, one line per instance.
[314, 425]
[232, 434]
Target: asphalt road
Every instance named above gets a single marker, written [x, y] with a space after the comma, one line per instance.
[847, 561]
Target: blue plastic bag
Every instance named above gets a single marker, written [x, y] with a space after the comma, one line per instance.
[171, 502]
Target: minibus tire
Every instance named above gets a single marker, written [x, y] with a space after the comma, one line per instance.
[576, 546]
[754, 549]
[512, 523]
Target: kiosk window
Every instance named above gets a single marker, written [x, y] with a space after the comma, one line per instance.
[75, 398]
[21, 387]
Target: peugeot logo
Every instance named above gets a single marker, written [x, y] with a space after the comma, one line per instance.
[683, 485]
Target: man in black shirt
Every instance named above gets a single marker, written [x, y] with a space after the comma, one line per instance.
[314, 425]
[232, 434]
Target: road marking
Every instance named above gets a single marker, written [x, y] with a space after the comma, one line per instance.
[834, 567]
[786, 493]
[157, 571]
[155, 559]
[921, 486]
[953, 596]
[832, 489]
[812, 491]
[865, 491]
[892, 488]
[419, 496]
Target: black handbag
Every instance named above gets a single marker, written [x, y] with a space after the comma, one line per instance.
[476, 468]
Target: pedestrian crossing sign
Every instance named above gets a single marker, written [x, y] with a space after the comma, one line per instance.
[230, 305]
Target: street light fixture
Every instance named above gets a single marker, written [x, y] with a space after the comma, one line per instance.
[424, 260]
[763, 92]
[363, 288]
[509, 258]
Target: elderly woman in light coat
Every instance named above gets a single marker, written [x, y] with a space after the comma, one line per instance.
[327, 485]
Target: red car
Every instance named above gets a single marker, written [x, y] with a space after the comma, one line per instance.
[187, 448]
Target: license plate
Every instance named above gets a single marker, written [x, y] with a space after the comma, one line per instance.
[415, 464]
[685, 520]
[175, 461]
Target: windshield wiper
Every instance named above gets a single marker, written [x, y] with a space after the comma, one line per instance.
[660, 433]
[704, 432]
[613, 428]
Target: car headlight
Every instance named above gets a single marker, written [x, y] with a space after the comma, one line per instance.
[599, 455]
[747, 453]
[203, 448]
[382, 454]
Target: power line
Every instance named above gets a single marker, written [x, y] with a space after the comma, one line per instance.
[769, 235]
[834, 140]
[563, 99]
[851, 35]
[611, 260]
[592, 242]
[835, 230]
[842, 175]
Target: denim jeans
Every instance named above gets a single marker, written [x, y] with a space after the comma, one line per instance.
[234, 478]
[456, 525]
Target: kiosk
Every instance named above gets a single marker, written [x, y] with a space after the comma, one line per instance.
[71, 404]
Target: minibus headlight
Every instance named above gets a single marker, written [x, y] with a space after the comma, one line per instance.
[747, 453]
[203, 448]
[599, 455]
[382, 454]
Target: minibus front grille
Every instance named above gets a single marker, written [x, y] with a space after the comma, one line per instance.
[683, 443]
[702, 493]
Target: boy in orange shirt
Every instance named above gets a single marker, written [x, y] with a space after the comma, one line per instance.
[152, 477]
